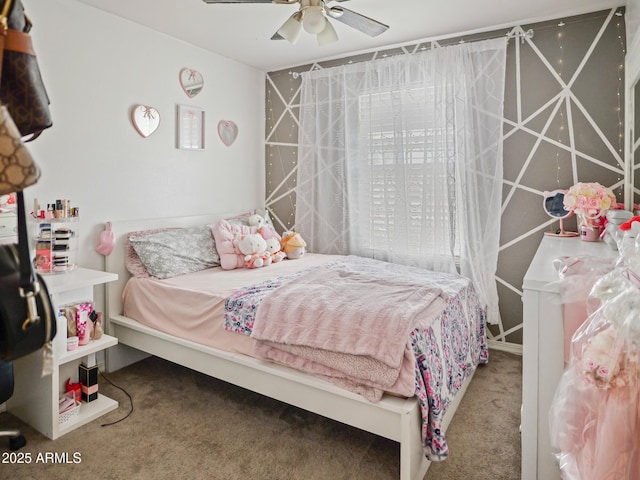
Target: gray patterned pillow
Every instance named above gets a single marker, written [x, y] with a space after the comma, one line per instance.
[132, 260]
[176, 252]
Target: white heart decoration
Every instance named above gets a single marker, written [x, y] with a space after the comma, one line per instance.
[228, 132]
[145, 119]
[191, 81]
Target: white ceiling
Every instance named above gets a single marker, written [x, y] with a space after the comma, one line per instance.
[243, 31]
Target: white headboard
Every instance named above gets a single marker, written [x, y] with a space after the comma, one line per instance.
[115, 262]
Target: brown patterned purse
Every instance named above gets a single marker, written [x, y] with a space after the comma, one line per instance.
[22, 89]
[17, 167]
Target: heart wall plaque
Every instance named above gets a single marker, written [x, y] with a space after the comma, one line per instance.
[191, 81]
[228, 132]
[145, 119]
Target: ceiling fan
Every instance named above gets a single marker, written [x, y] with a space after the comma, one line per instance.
[313, 16]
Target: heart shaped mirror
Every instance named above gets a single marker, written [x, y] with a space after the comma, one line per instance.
[145, 119]
[553, 204]
[228, 131]
[191, 81]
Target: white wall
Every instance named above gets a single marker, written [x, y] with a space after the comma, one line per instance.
[96, 66]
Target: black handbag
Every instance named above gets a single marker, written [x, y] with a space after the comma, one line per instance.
[27, 320]
[22, 89]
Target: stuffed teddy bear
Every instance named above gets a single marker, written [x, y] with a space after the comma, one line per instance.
[274, 249]
[293, 245]
[254, 248]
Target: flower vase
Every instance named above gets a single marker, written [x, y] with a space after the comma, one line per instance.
[589, 234]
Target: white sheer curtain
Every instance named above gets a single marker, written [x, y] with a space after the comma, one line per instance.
[632, 21]
[400, 159]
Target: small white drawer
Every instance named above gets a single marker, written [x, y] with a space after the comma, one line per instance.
[8, 225]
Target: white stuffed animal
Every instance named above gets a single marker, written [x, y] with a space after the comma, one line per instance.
[274, 249]
[254, 248]
[256, 220]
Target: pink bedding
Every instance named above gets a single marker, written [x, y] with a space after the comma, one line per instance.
[213, 306]
[195, 309]
[331, 320]
[443, 348]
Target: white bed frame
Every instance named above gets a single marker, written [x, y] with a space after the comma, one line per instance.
[394, 418]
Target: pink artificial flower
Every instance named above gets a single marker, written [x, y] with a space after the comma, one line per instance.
[594, 203]
[582, 202]
[589, 364]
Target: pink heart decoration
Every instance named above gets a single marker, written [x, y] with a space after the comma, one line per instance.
[191, 81]
[145, 119]
[228, 132]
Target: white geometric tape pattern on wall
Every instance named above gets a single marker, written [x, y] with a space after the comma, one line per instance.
[562, 124]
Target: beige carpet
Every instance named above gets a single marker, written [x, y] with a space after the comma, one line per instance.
[187, 425]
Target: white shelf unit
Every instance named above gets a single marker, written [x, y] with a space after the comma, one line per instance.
[35, 398]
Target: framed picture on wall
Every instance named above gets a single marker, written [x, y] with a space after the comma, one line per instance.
[190, 131]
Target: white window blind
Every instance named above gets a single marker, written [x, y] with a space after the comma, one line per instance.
[411, 176]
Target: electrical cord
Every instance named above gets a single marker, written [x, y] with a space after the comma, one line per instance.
[126, 393]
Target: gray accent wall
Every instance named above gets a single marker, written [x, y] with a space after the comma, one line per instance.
[563, 123]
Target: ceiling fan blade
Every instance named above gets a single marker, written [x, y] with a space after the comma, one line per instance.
[285, 2]
[358, 21]
[238, 1]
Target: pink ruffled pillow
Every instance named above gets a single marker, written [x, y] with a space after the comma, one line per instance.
[225, 235]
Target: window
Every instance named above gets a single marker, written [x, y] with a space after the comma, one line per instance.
[410, 174]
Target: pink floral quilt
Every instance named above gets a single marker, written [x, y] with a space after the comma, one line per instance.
[446, 352]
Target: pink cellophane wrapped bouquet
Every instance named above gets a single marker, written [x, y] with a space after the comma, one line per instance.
[595, 417]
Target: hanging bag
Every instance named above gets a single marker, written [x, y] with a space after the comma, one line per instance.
[22, 89]
[17, 168]
[27, 321]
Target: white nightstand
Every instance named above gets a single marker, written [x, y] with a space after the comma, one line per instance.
[35, 398]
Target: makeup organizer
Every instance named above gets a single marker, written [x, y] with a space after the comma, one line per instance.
[56, 238]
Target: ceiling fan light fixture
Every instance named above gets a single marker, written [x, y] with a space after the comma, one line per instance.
[291, 29]
[328, 35]
[313, 19]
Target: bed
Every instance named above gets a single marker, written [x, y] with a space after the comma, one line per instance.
[230, 356]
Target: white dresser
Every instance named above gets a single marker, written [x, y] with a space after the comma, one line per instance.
[543, 349]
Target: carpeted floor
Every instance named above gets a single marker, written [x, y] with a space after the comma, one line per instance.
[187, 425]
